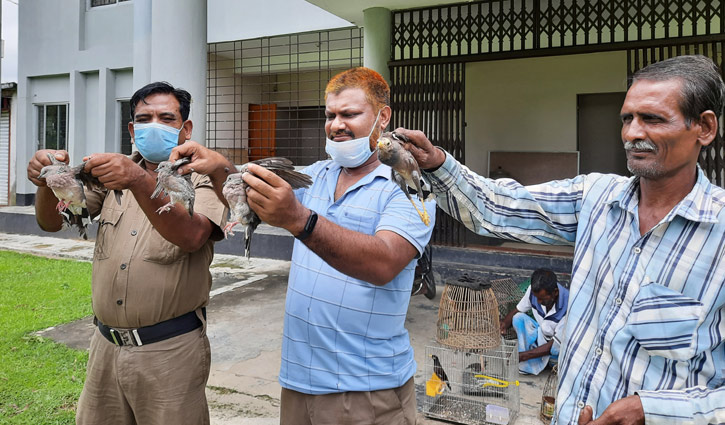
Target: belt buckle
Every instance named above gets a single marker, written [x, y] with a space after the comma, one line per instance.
[125, 337]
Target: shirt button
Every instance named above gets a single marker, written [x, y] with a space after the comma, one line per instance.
[580, 404]
[637, 250]
[133, 233]
[119, 302]
[123, 266]
[598, 351]
[618, 301]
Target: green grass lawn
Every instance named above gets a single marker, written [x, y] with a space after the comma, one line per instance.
[40, 381]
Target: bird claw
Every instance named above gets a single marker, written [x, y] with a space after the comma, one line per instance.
[164, 208]
[62, 206]
[228, 229]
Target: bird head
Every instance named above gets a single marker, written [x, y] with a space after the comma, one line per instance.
[165, 167]
[233, 179]
[385, 142]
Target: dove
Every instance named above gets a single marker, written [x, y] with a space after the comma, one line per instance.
[177, 187]
[235, 192]
[406, 172]
[67, 183]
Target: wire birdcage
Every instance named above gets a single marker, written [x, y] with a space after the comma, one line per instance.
[468, 316]
[548, 398]
[508, 294]
[472, 388]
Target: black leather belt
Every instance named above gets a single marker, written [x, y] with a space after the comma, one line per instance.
[154, 333]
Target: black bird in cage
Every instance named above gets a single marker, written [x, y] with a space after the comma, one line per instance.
[438, 370]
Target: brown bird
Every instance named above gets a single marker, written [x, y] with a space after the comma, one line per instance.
[406, 172]
[178, 188]
[235, 192]
[67, 183]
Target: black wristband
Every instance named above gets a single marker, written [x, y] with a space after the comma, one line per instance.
[309, 226]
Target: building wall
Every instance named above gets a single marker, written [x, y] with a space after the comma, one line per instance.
[530, 104]
[70, 53]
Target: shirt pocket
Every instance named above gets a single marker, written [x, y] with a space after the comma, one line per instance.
[358, 220]
[107, 229]
[160, 251]
[665, 322]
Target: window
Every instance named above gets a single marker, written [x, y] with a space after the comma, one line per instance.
[95, 3]
[52, 126]
[125, 136]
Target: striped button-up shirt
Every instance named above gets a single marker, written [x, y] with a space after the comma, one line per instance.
[645, 311]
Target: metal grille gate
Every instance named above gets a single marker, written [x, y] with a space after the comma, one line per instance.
[711, 158]
[431, 98]
[265, 96]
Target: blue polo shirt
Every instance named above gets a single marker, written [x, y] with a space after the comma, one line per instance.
[341, 333]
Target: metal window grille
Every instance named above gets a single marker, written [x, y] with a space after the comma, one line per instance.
[265, 97]
[96, 3]
[52, 126]
[124, 107]
[519, 28]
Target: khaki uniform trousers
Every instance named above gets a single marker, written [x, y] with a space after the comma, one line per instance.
[395, 406]
[156, 384]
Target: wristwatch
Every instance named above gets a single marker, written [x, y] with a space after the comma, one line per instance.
[309, 226]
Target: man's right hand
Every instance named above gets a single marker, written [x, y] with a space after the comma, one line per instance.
[40, 160]
[203, 160]
[427, 155]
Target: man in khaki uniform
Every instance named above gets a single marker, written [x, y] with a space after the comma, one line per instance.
[149, 356]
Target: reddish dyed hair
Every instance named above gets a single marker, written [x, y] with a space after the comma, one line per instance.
[373, 84]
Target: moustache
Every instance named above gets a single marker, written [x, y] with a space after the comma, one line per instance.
[340, 133]
[640, 145]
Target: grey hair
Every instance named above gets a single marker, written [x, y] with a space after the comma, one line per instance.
[702, 86]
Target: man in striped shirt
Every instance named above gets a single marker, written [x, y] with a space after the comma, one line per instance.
[644, 334]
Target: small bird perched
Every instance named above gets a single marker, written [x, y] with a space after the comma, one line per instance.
[177, 187]
[235, 192]
[438, 370]
[67, 183]
[406, 172]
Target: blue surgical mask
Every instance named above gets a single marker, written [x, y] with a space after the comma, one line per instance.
[155, 141]
[351, 153]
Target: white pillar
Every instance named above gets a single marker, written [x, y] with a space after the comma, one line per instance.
[141, 43]
[376, 37]
[178, 53]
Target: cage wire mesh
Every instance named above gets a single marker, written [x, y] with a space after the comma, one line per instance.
[548, 397]
[508, 294]
[468, 315]
[484, 387]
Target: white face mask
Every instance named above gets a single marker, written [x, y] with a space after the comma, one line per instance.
[351, 153]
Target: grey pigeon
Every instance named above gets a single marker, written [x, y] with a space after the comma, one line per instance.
[67, 183]
[235, 192]
[177, 187]
[406, 172]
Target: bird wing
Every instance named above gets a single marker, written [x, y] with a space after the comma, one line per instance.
[91, 182]
[283, 167]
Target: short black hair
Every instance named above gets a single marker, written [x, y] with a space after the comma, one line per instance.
[543, 279]
[702, 86]
[181, 95]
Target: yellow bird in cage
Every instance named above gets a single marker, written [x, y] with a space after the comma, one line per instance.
[490, 381]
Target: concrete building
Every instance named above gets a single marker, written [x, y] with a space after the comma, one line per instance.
[528, 89]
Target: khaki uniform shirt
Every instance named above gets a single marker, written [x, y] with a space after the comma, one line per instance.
[140, 278]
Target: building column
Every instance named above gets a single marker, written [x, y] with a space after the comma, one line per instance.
[376, 33]
[170, 45]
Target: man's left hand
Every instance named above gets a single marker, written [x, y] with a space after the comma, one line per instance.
[114, 170]
[626, 411]
[273, 200]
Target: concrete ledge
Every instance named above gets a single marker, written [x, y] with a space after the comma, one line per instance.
[274, 243]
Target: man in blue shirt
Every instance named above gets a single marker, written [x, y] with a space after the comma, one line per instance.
[539, 338]
[346, 355]
[644, 334]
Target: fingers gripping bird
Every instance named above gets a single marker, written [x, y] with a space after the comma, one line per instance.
[406, 172]
[235, 192]
[438, 370]
[67, 183]
[178, 188]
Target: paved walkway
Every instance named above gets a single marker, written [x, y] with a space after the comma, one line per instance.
[245, 328]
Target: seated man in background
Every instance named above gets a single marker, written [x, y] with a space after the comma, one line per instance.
[540, 339]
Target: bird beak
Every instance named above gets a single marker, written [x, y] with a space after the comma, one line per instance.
[42, 174]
